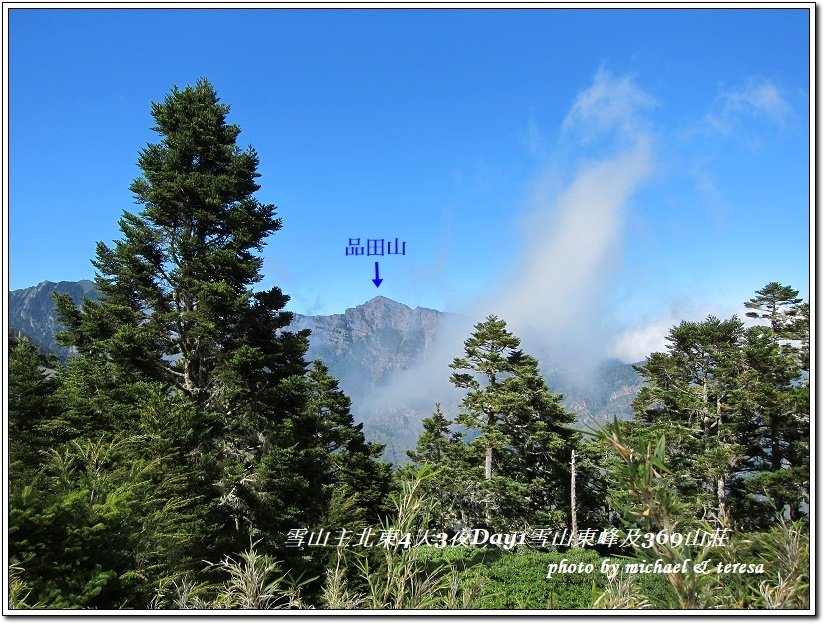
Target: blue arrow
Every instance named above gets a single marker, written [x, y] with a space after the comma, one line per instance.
[377, 279]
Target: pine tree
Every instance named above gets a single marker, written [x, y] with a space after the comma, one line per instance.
[524, 445]
[178, 308]
[539, 433]
[442, 448]
[32, 407]
[107, 517]
[356, 480]
[689, 393]
[776, 303]
[486, 403]
[178, 283]
[733, 404]
[436, 440]
[487, 355]
[775, 402]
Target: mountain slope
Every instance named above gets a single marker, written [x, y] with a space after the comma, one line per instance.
[367, 344]
[31, 311]
[391, 360]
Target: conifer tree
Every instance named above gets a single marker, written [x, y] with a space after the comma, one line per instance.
[775, 402]
[32, 407]
[356, 480]
[689, 391]
[523, 442]
[443, 448]
[733, 404]
[435, 442]
[106, 517]
[178, 308]
[487, 356]
[538, 429]
[776, 303]
[179, 282]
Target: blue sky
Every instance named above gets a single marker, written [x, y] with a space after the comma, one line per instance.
[604, 171]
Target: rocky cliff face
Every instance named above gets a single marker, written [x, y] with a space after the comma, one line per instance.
[386, 356]
[31, 311]
[367, 344]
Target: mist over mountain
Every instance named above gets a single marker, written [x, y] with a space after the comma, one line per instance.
[390, 359]
[367, 344]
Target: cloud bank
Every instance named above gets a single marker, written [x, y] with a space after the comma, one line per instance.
[553, 293]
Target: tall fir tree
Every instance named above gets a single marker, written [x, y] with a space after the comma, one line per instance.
[523, 443]
[775, 401]
[488, 399]
[356, 480]
[107, 517]
[32, 407]
[178, 308]
[776, 303]
[485, 371]
[539, 430]
[436, 441]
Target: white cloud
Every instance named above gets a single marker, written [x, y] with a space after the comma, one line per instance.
[611, 103]
[757, 99]
[569, 241]
[554, 293]
[635, 344]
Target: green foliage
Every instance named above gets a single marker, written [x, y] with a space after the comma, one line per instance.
[777, 304]
[517, 579]
[100, 522]
[443, 449]
[515, 470]
[19, 591]
[356, 481]
[177, 308]
[187, 429]
[395, 576]
[651, 505]
[784, 551]
[734, 405]
[32, 408]
[623, 591]
[691, 388]
[254, 581]
[520, 581]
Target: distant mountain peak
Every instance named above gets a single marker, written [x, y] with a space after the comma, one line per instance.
[31, 310]
[84, 285]
[381, 301]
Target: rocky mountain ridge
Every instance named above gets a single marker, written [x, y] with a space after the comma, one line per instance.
[31, 311]
[369, 343]
[392, 360]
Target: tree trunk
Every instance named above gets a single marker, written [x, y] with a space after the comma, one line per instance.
[775, 444]
[722, 500]
[490, 421]
[721, 489]
[573, 502]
